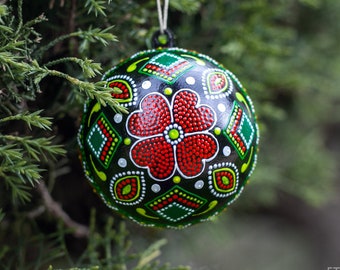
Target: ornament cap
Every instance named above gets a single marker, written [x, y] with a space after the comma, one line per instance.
[163, 40]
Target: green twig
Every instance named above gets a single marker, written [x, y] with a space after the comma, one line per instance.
[89, 68]
[31, 119]
[36, 147]
[91, 35]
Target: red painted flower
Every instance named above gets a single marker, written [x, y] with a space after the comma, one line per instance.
[172, 136]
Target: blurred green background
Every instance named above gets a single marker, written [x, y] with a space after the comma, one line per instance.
[287, 55]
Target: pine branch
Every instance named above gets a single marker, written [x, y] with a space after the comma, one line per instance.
[13, 164]
[36, 147]
[3, 12]
[31, 119]
[88, 36]
[14, 64]
[96, 6]
[97, 90]
[17, 172]
[28, 251]
[151, 253]
[20, 20]
[89, 68]
[18, 165]
[15, 177]
[13, 60]
[188, 6]
[95, 35]
[10, 153]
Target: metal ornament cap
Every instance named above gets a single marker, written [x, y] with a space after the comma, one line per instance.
[185, 150]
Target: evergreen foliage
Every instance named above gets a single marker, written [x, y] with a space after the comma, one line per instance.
[50, 55]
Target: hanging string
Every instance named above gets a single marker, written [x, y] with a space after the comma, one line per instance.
[163, 37]
[163, 16]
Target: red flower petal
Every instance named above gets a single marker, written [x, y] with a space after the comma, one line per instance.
[188, 115]
[192, 151]
[152, 119]
[155, 154]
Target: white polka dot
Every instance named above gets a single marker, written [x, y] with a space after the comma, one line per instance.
[226, 151]
[146, 84]
[199, 184]
[155, 188]
[122, 162]
[190, 80]
[118, 118]
[221, 107]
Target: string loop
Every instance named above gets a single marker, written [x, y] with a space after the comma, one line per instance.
[163, 15]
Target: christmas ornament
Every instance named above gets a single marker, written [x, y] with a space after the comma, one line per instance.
[187, 146]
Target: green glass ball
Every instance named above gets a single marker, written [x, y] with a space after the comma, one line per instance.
[186, 147]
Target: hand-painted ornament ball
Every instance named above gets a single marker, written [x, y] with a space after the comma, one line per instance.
[186, 147]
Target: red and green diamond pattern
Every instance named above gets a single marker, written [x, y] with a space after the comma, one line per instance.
[176, 204]
[167, 67]
[240, 131]
[103, 140]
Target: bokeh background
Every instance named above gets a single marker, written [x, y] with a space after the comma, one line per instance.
[287, 55]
